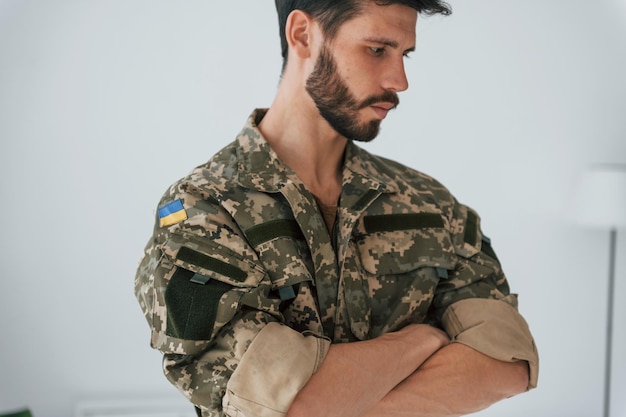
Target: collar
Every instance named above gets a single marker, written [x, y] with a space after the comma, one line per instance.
[259, 167]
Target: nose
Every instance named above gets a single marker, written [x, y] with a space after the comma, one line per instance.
[395, 76]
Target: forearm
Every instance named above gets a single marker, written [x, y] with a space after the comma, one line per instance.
[356, 376]
[455, 381]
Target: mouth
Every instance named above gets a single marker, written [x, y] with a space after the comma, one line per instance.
[381, 109]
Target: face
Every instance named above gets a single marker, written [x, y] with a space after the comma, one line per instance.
[338, 105]
[356, 78]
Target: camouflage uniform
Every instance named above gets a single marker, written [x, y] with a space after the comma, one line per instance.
[244, 287]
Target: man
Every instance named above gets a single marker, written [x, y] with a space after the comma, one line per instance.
[296, 274]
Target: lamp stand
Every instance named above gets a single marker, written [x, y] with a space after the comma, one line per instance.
[609, 323]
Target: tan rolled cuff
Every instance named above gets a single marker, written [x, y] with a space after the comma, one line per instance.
[278, 363]
[494, 328]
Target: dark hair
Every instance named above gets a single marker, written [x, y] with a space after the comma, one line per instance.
[331, 14]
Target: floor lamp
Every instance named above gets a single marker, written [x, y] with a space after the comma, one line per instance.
[602, 204]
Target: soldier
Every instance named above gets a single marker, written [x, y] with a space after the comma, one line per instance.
[296, 274]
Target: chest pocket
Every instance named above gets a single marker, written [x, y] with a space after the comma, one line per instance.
[401, 260]
[284, 253]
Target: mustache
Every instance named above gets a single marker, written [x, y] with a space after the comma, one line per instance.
[387, 97]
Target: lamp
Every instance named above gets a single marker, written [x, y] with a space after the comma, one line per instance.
[602, 204]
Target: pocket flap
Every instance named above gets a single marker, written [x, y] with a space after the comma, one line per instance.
[203, 256]
[401, 251]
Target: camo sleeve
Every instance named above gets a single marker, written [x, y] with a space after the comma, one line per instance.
[213, 314]
[474, 304]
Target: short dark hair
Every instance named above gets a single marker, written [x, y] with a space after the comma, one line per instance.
[331, 14]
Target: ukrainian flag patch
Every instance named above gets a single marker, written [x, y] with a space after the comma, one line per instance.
[172, 213]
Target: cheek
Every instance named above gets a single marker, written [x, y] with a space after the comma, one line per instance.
[361, 73]
[360, 82]
[349, 65]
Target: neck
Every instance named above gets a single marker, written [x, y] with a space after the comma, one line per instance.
[305, 142]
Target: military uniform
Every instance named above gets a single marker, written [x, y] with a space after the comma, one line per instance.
[245, 288]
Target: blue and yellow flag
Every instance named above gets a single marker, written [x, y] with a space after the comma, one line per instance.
[172, 213]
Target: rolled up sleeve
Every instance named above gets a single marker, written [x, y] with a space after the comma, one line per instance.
[494, 328]
[277, 364]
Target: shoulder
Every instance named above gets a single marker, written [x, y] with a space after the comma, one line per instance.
[404, 178]
[192, 206]
[205, 184]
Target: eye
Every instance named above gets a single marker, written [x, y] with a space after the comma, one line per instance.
[376, 50]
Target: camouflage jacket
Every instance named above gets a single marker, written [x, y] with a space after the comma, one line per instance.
[241, 250]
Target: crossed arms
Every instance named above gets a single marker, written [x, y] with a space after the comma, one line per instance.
[418, 372]
[413, 372]
[486, 354]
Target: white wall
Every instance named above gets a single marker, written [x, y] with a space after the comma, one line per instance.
[105, 103]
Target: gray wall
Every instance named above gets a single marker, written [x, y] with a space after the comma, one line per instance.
[105, 103]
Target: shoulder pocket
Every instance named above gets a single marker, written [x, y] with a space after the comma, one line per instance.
[204, 286]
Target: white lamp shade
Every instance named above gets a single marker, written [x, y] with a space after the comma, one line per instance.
[601, 197]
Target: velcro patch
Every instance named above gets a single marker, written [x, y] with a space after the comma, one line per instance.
[193, 257]
[396, 222]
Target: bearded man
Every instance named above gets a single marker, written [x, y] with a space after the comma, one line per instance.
[295, 274]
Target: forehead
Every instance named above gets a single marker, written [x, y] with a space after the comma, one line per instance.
[394, 22]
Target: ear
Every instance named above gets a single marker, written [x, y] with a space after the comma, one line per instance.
[298, 32]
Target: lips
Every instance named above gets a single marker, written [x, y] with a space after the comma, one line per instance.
[381, 109]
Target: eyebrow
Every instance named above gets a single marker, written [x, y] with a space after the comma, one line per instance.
[388, 42]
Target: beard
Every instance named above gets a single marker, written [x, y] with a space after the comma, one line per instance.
[336, 103]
